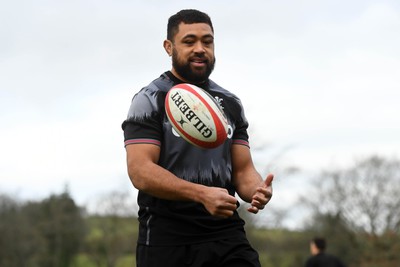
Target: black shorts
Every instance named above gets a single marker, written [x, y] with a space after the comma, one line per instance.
[220, 253]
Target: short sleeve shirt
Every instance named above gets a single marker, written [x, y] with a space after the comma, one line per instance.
[163, 222]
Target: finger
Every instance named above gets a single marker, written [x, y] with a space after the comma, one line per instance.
[253, 209]
[269, 179]
[228, 206]
[259, 204]
[266, 193]
[224, 214]
[263, 193]
[259, 201]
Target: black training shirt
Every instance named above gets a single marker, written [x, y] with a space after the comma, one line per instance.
[164, 222]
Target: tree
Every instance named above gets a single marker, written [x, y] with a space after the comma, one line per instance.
[40, 234]
[18, 242]
[366, 195]
[60, 223]
[342, 240]
[113, 232]
[365, 199]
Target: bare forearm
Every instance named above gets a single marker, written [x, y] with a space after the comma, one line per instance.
[147, 176]
[159, 182]
[248, 184]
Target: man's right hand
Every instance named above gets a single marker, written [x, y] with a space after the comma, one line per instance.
[218, 202]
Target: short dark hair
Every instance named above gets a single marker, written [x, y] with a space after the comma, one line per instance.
[320, 243]
[187, 16]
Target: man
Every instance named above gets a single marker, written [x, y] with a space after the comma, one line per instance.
[188, 210]
[319, 258]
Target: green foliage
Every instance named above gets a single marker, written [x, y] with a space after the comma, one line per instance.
[82, 260]
[110, 239]
[342, 240]
[46, 233]
[357, 210]
[60, 221]
[54, 232]
[279, 247]
[20, 244]
[127, 261]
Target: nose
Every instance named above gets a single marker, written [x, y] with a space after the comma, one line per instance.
[199, 48]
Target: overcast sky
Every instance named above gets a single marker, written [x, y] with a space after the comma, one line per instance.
[319, 81]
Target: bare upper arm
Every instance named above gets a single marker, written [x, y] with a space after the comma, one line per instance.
[146, 175]
[241, 159]
[137, 153]
[140, 159]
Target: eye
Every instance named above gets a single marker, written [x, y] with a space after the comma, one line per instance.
[188, 41]
[208, 41]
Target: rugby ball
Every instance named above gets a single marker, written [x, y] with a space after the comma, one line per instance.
[196, 116]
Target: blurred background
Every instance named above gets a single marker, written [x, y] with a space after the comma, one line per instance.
[319, 81]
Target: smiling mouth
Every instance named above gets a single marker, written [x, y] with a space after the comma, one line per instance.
[198, 62]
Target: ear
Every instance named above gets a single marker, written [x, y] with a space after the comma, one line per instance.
[168, 47]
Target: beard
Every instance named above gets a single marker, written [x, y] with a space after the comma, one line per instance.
[190, 74]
